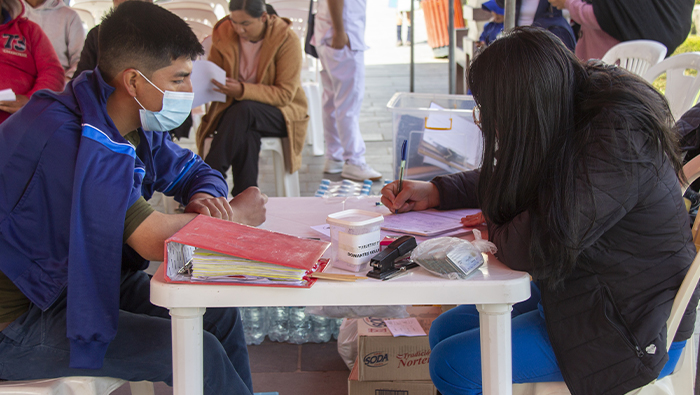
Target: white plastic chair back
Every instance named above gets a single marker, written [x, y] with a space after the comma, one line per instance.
[201, 30]
[682, 380]
[636, 56]
[197, 12]
[300, 4]
[682, 85]
[206, 43]
[98, 8]
[220, 7]
[85, 17]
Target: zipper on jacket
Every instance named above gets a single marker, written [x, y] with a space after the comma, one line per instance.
[624, 332]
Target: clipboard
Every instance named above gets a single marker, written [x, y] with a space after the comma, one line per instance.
[242, 241]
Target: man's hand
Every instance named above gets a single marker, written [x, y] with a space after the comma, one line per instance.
[203, 203]
[560, 4]
[340, 40]
[14, 106]
[249, 207]
[233, 88]
[414, 195]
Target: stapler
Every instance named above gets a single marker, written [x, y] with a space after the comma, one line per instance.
[385, 265]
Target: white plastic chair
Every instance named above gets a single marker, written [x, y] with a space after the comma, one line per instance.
[201, 30]
[85, 17]
[98, 8]
[220, 7]
[636, 56]
[682, 380]
[73, 386]
[191, 11]
[681, 87]
[286, 183]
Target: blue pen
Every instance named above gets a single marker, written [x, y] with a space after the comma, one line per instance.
[402, 167]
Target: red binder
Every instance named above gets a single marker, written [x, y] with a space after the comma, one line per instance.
[242, 241]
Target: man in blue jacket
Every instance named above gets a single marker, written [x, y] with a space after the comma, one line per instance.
[76, 169]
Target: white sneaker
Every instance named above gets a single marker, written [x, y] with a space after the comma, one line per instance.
[360, 172]
[333, 166]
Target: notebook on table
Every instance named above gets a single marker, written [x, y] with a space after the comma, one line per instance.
[213, 251]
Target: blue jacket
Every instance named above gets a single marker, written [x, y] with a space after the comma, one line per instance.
[67, 177]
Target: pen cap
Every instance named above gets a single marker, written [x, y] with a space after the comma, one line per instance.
[354, 238]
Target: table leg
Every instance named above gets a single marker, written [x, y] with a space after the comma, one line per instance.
[496, 357]
[188, 370]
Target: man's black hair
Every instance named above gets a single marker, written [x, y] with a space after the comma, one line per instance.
[143, 36]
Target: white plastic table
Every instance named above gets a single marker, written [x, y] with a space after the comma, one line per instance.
[493, 289]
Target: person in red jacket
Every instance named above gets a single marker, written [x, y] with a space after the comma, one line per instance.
[28, 62]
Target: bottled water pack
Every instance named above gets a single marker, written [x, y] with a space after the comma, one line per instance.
[287, 324]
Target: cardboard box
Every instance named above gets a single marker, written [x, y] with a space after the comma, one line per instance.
[382, 357]
[356, 387]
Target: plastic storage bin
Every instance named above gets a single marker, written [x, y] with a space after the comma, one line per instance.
[442, 137]
[354, 238]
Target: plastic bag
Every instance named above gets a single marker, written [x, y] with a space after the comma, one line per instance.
[358, 311]
[347, 341]
[451, 257]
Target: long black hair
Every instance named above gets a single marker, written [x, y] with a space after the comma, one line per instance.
[254, 8]
[538, 103]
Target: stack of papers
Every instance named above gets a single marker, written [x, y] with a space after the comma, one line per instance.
[212, 266]
[211, 250]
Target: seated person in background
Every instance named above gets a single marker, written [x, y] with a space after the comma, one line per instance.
[262, 57]
[493, 28]
[27, 60]
[63, 27]
[76, 168]
[605, 23]
[580, 188]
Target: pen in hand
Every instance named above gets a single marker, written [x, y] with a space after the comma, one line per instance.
[401, 169]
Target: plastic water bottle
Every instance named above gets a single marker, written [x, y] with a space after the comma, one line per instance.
[321, 329]
[254, 324]
[336, 327]
[278, 330]
[299, 325]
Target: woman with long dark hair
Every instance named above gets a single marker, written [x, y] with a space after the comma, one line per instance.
[262, 57]
[580, 188]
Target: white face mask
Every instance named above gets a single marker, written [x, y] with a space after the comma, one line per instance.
[176, 108]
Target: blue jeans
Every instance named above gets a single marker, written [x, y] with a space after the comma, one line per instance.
[35, 345]
[455, 357]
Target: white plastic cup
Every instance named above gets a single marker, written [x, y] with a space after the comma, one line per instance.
[354, 238]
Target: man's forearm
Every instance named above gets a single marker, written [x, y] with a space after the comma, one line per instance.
[335, 7]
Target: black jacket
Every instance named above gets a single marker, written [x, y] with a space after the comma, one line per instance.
[607, 324]
[90, 53]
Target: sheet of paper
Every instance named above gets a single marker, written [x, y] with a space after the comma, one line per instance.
[405, 327]
[7, 95]
[426, 222]
[324, 229]
[203, 71]
[459, 140]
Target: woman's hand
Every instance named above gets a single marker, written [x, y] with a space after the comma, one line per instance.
[14, 106]
[414, 195]
[560, 4]
[233, 88]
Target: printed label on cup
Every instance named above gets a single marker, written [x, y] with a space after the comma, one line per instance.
[357, 249]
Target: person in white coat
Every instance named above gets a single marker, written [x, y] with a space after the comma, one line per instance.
[339, 40]
[63, 27]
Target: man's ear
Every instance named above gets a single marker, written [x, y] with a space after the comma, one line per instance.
[129, 80]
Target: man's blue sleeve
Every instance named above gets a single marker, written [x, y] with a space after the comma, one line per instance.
[181, 173]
